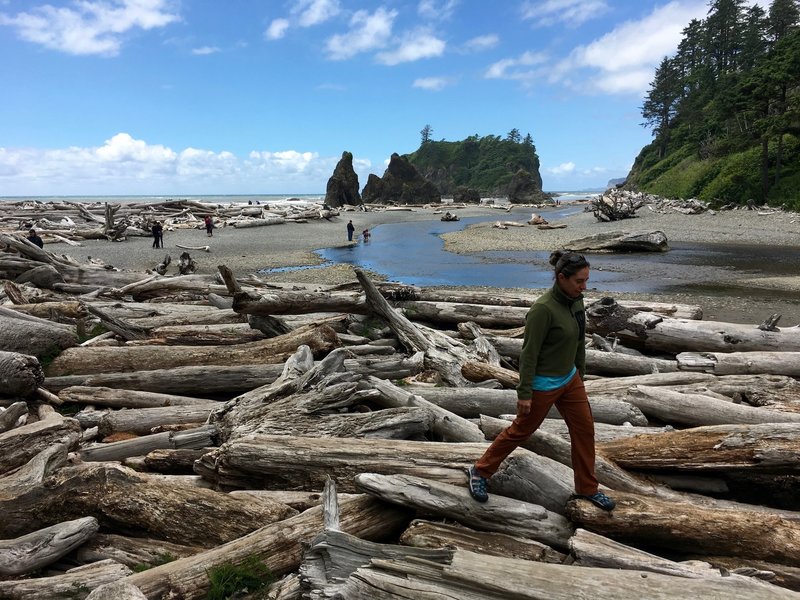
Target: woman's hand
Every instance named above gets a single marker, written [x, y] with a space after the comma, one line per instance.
[524, 407]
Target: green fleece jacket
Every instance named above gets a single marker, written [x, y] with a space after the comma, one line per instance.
[553, 342]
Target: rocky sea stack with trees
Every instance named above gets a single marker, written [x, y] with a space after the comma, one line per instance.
[725, 109]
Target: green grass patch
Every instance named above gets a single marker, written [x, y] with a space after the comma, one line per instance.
[227, 579]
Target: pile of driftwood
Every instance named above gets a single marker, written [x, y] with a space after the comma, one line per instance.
[158, 429]
[616, 204]
[690, 206]
[71, 222]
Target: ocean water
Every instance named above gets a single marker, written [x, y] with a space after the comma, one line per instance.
[216, 199]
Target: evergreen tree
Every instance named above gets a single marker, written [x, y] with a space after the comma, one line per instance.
[724, 26]
[426, 134]
[514, 136]
[784, 16]
[661, 101]
[754, 38]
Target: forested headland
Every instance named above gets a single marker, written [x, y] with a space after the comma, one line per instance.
[725, 109]
[484, 164]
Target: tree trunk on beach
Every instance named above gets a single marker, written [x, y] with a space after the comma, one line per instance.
[119, 498]
[142, 358]
[20, 374]
[662, 334]
[690, 529]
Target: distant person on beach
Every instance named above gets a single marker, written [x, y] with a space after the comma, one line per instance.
[365, 235]
[350, 230]
[551, 370]
[35, 239]
[158, 235]
[209, 225]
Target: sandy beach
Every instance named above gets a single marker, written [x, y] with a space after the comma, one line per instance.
[293, 245]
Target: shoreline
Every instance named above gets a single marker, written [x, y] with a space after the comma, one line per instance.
[292, 245]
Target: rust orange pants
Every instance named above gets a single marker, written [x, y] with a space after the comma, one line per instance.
[573, 404]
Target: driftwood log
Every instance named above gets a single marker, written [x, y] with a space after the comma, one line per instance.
[40, 548]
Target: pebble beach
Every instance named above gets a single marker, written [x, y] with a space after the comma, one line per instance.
[293, 244]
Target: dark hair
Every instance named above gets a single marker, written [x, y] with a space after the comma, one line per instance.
[567, 263]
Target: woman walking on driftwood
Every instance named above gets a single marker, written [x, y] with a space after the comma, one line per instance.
[551, 370]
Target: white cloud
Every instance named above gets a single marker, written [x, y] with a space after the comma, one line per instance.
[413, 46]
[277, 29]
[367, 32]
[92, 26]
[431, 83]
[125, 165]
[518, 68]
[569, 12]
[480, 43]
[562, 169]
[314, 12]
[437, 9]
[624, 60]
[205, 50]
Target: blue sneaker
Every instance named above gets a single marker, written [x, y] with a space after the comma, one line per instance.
[600, 500]
[477, 485]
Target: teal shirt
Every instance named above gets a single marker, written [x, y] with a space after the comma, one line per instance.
[553, 343]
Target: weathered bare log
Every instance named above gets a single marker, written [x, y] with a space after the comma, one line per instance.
[427, 534]
[211, 380]
[200, 437]
[142, 358]
[45, 546]
[691, 529]
[278, 462]
[285, 302]
[593, 550]
[504, 515]
[621, 241]
[779, 362]
[21, 444]
[480, 577]
[763, 447]
[653, 332]
[32, 336]
[621, 385]
[76, 582]
[132, 552]
[682, 311]
[206, 335]
[142, 421]
[597, 362]
[152, 315]
[67, 309]
[481, 371]
[120, 498]
[35, 470]
[10, 416]
[283, 462]
[121, 398]
[477, 401]
[280, 546]
[697, 409]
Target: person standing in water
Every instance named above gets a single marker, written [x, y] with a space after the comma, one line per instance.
[551, 370]
[350, 230]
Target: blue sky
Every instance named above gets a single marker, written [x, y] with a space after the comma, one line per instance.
[262, 96]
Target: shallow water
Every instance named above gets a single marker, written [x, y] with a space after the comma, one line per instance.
[414, 254]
